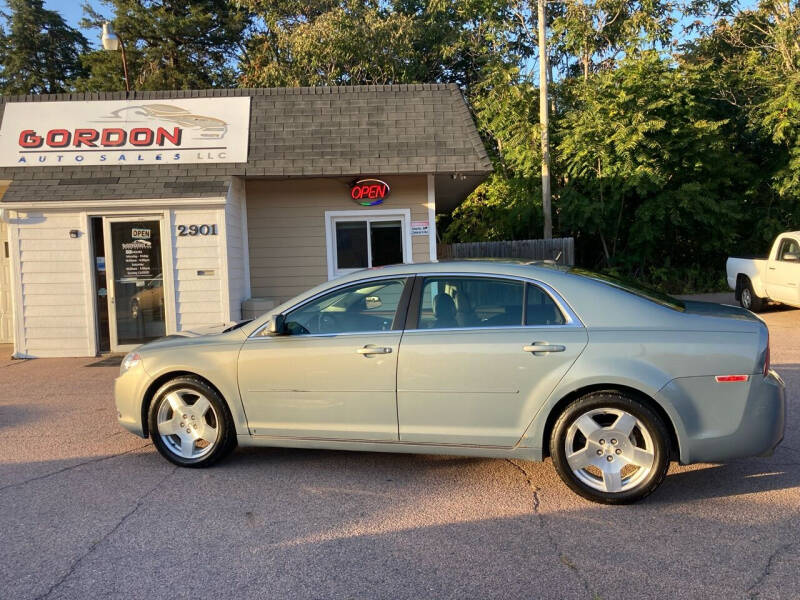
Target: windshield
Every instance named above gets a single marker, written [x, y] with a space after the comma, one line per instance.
[634, 288]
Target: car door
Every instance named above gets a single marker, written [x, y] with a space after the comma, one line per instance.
[333, 374]
[783, 273]
[481, 355]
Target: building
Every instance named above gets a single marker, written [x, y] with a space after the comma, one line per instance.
[133, 216]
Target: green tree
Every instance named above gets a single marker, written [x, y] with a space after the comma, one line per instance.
[170, 44]
[39, 52]
[593, 33]
[503, 207]
[751, 66]
[348, 42]
[651, 180]
[327, 43]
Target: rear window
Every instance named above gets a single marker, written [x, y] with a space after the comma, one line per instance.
[634, 288]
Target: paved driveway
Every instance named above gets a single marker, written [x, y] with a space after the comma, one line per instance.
[88, 511]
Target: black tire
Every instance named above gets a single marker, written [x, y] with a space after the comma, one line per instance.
[611, 400]
[222, 422]
[748, 298]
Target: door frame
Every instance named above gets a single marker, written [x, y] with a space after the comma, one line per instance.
[166, 273]
[394, 214]
[778, 277]
[5, 281]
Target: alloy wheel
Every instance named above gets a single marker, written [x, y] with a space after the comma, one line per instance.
[747, 298]
[187, 423]
[609, 450]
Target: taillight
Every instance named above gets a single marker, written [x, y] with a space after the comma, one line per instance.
[766, 357]
[731, 378]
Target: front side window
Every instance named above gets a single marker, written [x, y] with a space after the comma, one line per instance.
[449, 302]
[367, 306]
[790, 250]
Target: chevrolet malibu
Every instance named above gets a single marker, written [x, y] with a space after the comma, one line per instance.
[473, 358]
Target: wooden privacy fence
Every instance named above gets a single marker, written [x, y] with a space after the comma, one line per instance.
[562, 250]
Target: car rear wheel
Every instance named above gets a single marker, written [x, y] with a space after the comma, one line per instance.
[190, 424]
[748, 298]
[610, 448]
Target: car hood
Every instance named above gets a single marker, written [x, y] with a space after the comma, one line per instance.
[201, 335]
[206, 330]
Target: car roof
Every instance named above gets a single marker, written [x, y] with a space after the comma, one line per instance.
[504, 266]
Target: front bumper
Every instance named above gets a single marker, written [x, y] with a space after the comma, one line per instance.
[724, 421]
[128, 395]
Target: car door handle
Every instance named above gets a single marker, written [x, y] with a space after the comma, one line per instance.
[542, 348]
[367, 350]
[772, 268]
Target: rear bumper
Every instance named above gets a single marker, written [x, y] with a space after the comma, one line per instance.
[724, 421]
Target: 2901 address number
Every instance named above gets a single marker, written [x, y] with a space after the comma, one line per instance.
[197, 229]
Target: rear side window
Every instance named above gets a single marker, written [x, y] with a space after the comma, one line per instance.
[541, 309]
[453, 302]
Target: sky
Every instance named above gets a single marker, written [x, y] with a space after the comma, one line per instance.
[71, 10]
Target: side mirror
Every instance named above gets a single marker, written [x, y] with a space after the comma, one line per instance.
[791, 256]
[277, 326]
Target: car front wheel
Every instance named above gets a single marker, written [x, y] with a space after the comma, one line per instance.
[190, 424]
[610, 448]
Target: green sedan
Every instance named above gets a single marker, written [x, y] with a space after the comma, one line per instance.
[504, 360]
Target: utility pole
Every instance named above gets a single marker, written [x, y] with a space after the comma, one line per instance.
[544, 122]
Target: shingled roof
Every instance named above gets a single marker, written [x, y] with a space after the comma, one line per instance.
[294, 132]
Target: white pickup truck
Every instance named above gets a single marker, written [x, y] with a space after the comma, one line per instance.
[775, 278]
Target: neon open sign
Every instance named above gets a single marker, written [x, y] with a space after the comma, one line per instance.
[369, 192]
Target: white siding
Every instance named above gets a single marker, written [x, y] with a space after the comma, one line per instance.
[51, 269]
[200, 300]
[236, 233]
[286, 228]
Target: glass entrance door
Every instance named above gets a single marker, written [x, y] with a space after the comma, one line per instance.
[135, 281]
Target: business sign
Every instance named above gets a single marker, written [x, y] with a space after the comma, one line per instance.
[125, 132]
[138, 255]
[420, 228]
[369, 192]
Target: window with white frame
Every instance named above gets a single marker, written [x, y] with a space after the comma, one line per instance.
[361, 240]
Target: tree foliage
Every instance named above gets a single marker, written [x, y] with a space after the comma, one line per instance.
[170, 44]
[646, 167]
[668, 154]
[39, 52]
[350, 42]
[752, 68]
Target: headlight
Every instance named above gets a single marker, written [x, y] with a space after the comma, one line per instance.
[131, 360]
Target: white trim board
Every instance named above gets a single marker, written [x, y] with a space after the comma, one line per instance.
[110, 205]
[431, 203]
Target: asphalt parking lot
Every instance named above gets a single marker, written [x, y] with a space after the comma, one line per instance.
[90, 511]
